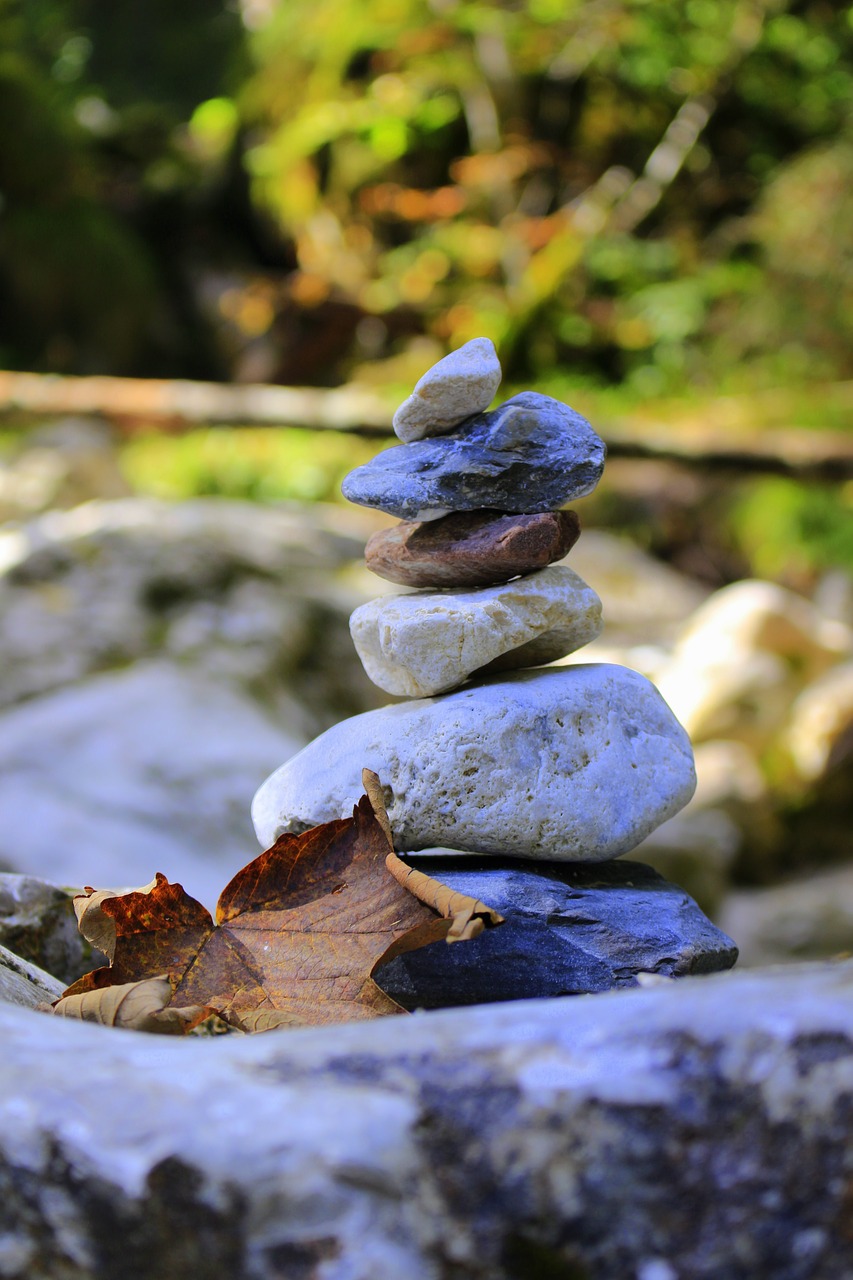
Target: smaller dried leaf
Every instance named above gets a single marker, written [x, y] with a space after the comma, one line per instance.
[136, 1006]
[468, 916]
[373, 791]
[96, 926]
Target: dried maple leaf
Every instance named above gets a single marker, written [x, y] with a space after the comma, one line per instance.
[299, 934]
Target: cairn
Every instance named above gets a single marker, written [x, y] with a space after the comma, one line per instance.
[493, 754]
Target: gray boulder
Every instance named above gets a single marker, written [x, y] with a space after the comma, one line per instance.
[243, 592]
[133, 772]
[806, 918]
[38, 923]
[695, 1129]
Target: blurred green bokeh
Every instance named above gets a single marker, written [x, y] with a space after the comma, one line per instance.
[647, 206]
[647, 195]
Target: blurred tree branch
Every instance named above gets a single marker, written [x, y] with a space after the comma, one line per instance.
[132, 403]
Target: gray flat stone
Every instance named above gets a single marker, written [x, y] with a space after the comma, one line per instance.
[532, 454]
[698, 1129]
[569, 929]
[572, 764]
[460, 385]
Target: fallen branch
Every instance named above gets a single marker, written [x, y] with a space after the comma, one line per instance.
[132, 403]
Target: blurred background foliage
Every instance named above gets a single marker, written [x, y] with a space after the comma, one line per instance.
[646, 206]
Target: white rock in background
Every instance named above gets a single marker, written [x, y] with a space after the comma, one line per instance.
[242, 591]
[808, 918]
[462, 384]
[574, 764]
[821, 719]
[431, 641]
[144, 770]
[645, 600]
[743, 657]
[730, 816]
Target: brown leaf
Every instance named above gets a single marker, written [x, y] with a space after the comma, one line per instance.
[137, 1006]
[468, 917]
[299, 933]
[96, 926]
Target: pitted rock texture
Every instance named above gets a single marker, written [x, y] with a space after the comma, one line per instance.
[568, 929]
[470, 548]
[700, 1129]
[431, 641]
[572, 764]
[532, 454]
[460, 385]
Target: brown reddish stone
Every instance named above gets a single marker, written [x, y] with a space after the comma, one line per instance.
[470, 548]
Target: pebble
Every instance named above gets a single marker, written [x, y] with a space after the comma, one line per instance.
[471, 548]
[569, 929]
[460, 385]
[431, 641]
[532, 454]
[575, 763]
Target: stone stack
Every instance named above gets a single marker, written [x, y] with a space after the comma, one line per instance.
[570, 765]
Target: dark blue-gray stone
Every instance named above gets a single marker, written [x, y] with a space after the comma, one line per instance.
[570, 928]
[532, 454]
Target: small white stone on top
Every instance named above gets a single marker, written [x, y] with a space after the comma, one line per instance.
[460, 385]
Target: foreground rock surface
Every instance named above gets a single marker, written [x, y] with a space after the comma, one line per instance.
[470, 548]
[696, 1129]
[569, 929]
[457, 387]
[531, 454]
[432, 641]
[571, 764]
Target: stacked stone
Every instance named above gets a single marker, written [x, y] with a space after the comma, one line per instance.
[484, 492]
[569, 765]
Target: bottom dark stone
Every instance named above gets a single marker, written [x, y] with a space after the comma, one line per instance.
[570, 928]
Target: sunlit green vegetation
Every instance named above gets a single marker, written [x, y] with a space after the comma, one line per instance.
[651, 195]
[259, 465]
[649, 208]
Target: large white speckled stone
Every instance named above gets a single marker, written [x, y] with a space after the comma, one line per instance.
[462, 384]
[432, 641]
[572, 764]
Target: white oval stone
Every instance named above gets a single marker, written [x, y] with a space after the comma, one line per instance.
[462, 384]
[571, 764]
[431, 641]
